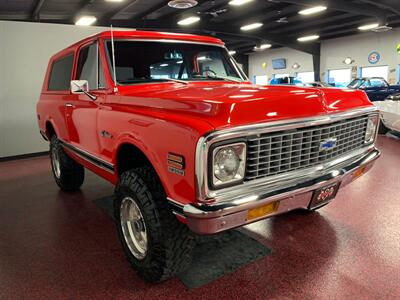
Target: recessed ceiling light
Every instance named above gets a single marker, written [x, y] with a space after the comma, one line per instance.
[312, 10]
[369, 26]
[115, 0]
[164, 65]
[188, 21]
[232, 52]
[251, 26]
[182, 4]
[262, 47]
[239, 2]
[86, 21]
[308, 38]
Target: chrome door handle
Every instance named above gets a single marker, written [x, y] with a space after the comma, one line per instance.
[68, 105]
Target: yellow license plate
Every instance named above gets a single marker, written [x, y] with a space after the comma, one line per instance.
[262, 211]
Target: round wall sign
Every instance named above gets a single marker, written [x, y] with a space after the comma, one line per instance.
[374, 57]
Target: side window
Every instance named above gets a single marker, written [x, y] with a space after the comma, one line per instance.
[88, 67]
[60, 75]
[376, 82]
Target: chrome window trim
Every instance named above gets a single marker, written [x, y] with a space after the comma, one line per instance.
[205, 194]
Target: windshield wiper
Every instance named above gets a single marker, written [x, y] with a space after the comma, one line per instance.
[224, 78]
[174, 80]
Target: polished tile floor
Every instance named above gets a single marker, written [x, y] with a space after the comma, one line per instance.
[56, 245]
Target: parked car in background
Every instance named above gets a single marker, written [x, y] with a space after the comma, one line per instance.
[318, 84]
[390, 113]
[376, 88]
[286, 80]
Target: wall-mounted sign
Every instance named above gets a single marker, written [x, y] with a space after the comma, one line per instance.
[354, 72]
[374, 57]
[398, 48]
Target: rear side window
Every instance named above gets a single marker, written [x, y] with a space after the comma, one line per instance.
[60, 76]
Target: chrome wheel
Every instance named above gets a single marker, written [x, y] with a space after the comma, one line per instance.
[55, 162]
[133, 227]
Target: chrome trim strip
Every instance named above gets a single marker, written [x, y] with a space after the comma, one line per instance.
[203, 192]
[89, 157]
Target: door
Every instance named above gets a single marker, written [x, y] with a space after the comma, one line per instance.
[380, 88]
[81, 111]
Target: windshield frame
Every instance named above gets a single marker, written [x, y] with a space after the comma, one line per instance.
[241, 79]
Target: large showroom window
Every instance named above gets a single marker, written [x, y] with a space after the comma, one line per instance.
[261, 79]
[305, 77]
[339, 77]
[381, 71]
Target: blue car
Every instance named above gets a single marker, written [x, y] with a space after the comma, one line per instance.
[376, 88]
[286, 80]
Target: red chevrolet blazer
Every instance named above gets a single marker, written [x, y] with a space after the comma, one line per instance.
[190, 145]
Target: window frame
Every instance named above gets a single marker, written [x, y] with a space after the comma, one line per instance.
[53, 62]
[99, 65]
[109, 62]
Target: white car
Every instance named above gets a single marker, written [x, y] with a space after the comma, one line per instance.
[390, 109]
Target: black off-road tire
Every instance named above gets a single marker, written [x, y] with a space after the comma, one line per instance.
[169, 242]
[383, 129]
[70, 175]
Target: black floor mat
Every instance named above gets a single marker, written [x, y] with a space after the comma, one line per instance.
[214, 256]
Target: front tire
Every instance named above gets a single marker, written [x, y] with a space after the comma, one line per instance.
[156, 244]
[68, 174]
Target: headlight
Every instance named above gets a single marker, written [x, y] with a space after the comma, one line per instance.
[372, 126]
[228, 164]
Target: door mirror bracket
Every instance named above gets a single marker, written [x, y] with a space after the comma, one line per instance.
[81, 87]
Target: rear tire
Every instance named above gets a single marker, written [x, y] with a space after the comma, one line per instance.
[68, 174]
[156, 244]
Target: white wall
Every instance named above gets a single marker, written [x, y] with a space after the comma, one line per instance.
[256, 61]
[358, 47]
[25, 49]
[333, 52]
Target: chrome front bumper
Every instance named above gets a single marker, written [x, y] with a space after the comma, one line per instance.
[216, 217]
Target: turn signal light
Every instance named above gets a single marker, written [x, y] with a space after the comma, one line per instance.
[262, 211]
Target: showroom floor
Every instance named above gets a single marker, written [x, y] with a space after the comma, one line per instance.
[59, 245]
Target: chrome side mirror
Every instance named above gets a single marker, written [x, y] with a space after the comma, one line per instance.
[81, 87]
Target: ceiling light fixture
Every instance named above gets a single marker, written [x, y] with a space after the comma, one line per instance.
[189, 21]
[251, 26]
[308, 38]
[368, 26]
[182, 4]
[262, 47]
[115, 0]
[232, 52]
[239, 2]
[312, 10]
[86, 21]
[348, 61]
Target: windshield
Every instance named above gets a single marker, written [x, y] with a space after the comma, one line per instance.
[356, 83]
[142, 62]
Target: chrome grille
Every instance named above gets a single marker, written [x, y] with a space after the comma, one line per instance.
[279, 152]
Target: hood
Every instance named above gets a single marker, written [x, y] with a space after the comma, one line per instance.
[226, 104]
